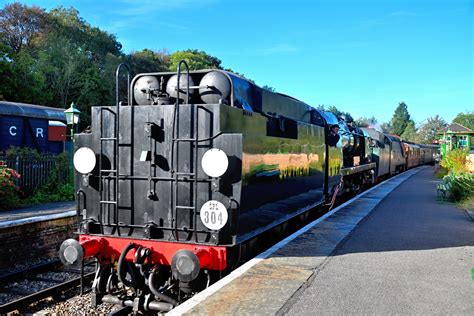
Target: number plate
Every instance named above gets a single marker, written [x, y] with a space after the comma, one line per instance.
[214, 215]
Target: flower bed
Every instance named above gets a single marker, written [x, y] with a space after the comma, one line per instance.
[9, 191]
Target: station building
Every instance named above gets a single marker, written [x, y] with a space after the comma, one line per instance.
[455, 136]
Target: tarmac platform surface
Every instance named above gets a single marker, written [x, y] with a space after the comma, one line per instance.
[395, 249]
[36, 213]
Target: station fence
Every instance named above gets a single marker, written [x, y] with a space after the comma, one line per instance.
[37, 171]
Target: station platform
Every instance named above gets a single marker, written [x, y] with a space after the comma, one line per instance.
[37, 213]
[393, 249]
[33, 234]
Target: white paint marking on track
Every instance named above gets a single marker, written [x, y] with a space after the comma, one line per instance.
[201, 296]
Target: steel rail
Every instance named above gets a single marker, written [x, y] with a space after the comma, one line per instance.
[25, 301]
[25, 271]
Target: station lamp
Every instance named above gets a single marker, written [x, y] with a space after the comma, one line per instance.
[72, 118]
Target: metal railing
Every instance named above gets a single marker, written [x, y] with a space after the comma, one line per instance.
[36, 171]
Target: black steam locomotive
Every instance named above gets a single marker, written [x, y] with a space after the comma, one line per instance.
[175, 180]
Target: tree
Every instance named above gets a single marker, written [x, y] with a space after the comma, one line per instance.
[27, 84]
[334, 110]
[385, 127]
[19, 24]
[148, 61]
[365, 121]
[427, 131]
[95, 42]
[400, 119]
[195, 59]
[269, 88]
[74, 56]
[63, 63]
[465, 119]
[54, 58]
[410, 132]
[6, 71]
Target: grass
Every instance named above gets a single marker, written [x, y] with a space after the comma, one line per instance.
[441, 172]
[467, 204]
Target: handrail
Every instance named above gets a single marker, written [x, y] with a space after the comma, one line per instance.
[175, 145]
[117, 135]
[187, 81]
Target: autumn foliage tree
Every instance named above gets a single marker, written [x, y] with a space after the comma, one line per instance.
[427, 131]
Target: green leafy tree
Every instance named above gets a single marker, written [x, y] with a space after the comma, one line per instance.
[148, 61]
[63, 64]
[73, 58]
[386, 127]
[54, 58]
[6, 71]
[96, 43]
[27, 84]
[400, 119]
[269, 88]
[20, 27]
[465, 119]
[196, 60]
[427, 131]
[333, 109]
[410, 132]
[365, 121]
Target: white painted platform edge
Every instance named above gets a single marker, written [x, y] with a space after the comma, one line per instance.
[200, 297]
[35, 219]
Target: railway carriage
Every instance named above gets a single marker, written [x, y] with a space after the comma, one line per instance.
[397, 157]
[429, 153]
[412, 154]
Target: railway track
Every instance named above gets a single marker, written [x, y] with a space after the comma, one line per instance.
[51, 279]
[21, 288]
[24, 287]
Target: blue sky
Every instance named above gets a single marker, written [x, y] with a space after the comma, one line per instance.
[361, 56]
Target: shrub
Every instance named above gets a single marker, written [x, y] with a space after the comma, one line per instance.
[455, 161]
[462, 187]
[59, 185]
[13, 152]
[62, 192]
[9, 192]
[441, 173]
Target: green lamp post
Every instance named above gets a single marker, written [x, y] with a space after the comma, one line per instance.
[72, 118]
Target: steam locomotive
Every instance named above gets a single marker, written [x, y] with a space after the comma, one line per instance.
[173, 182]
